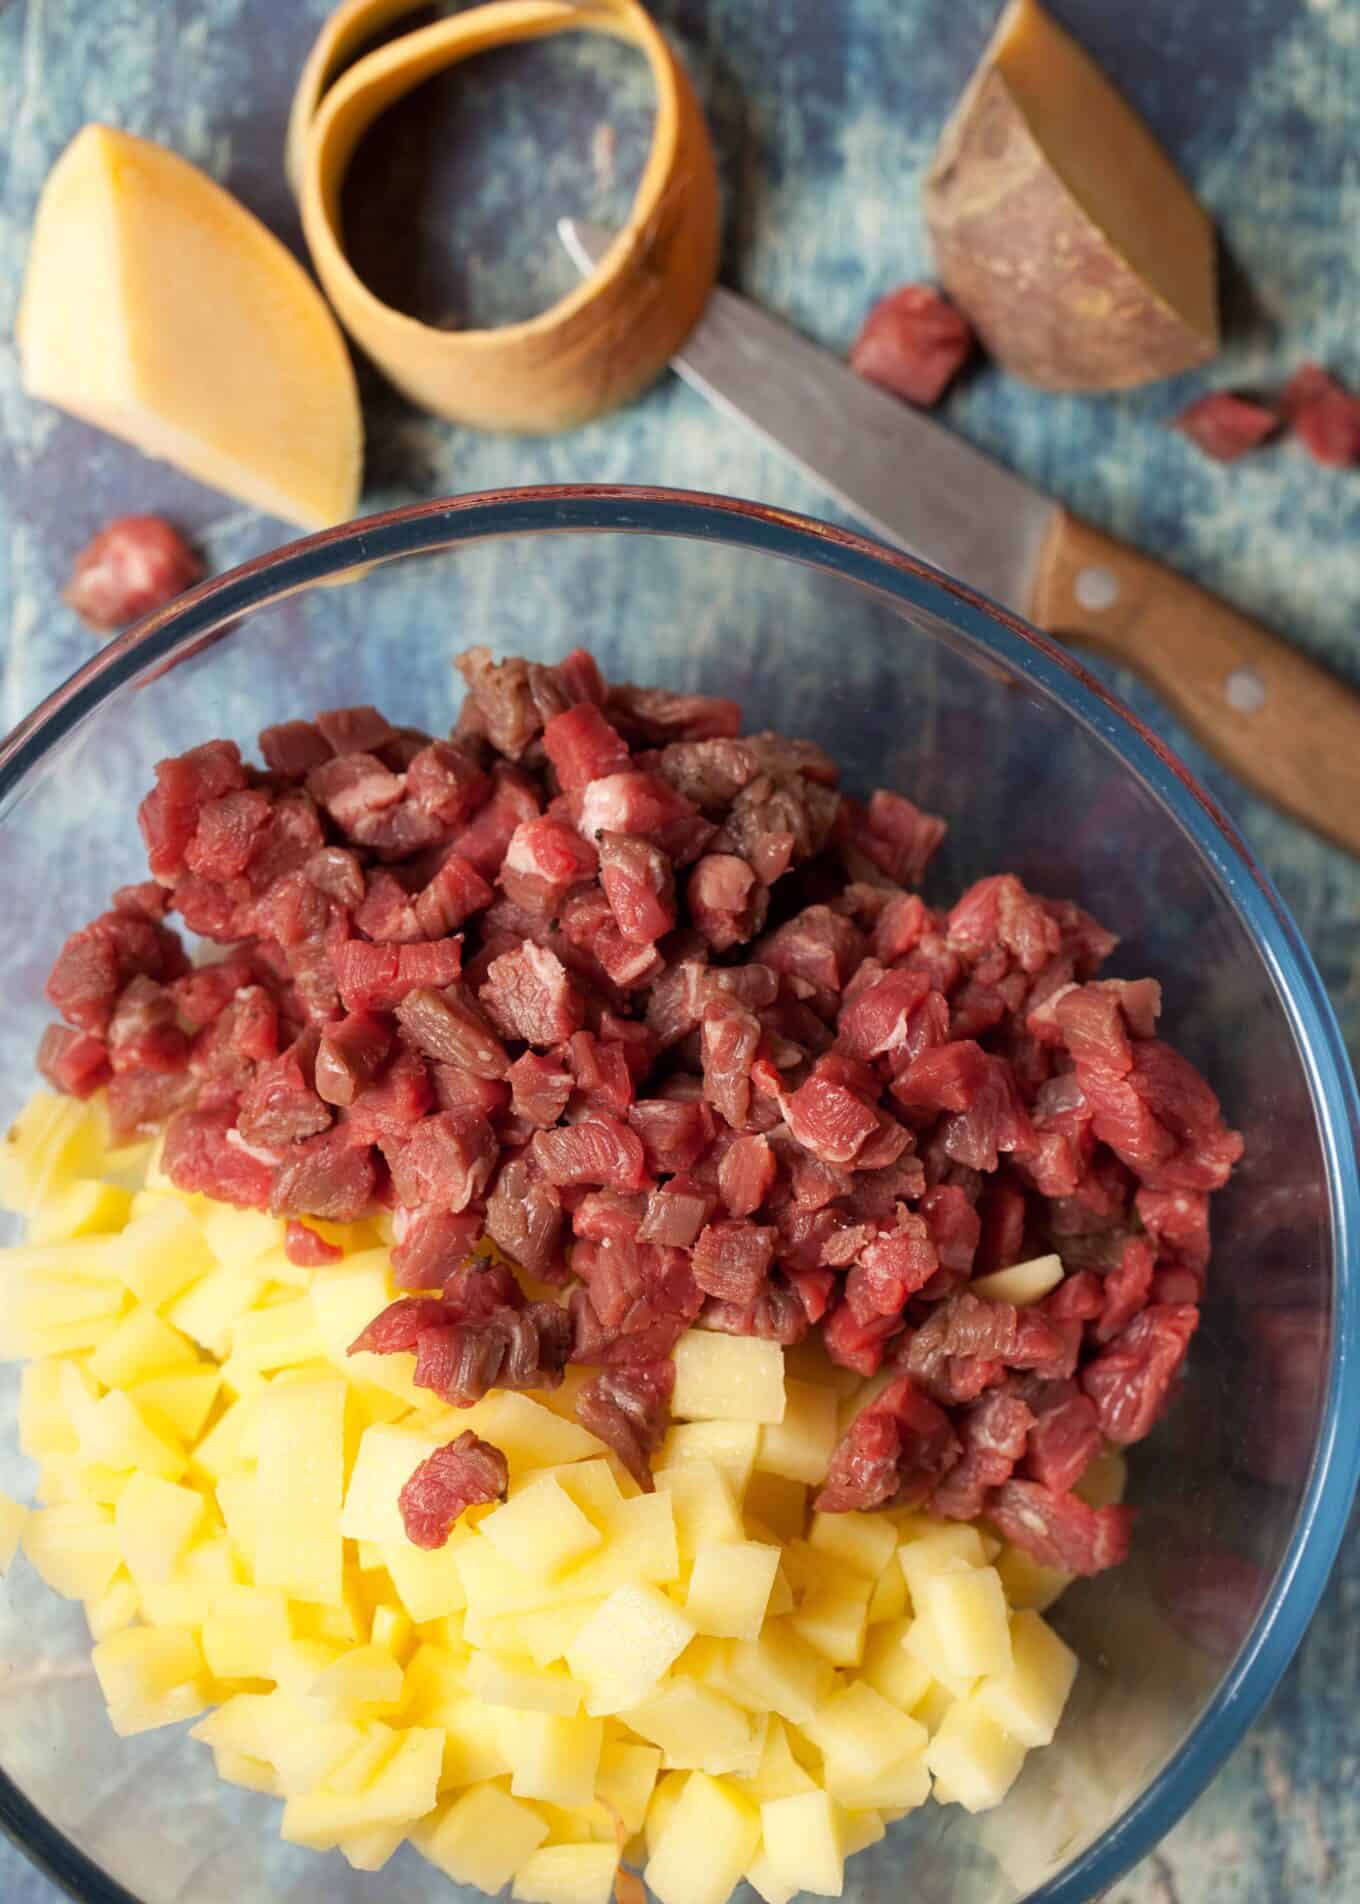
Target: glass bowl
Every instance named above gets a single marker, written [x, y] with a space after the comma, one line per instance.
[912, 681]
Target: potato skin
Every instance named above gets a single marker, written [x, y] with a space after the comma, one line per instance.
[1048, 295]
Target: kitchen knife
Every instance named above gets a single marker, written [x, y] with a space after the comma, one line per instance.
[1284, 725]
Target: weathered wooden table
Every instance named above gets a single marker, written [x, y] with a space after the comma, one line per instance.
[825, 112]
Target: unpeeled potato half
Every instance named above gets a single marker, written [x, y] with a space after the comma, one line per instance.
[1060, 226]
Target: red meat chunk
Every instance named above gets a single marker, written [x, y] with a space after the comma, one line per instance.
[528, 994]
[1060, 1530]
[327, 1176]
[895, 1453]
[1130, 1381]
[732, 1260]
[1225, 426]
[200, 1155]
[135, 565]
[640, 887]
[446, 1483]
[994, 1432]
[444, 1162]
[598, 1150]
[307, 1248]
[73, 1061]
[543, 861]
[582, 747]
[629, 1408]
[913, 342]
[1065, 1437]
[726, 901]
[1324, 416]
[377, 977]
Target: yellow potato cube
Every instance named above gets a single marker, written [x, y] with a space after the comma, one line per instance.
[237, 1237]
[155, 1521]
[766, 1882]
[472, 1748]
[542, 1531]
[57, 1314]
[113, 1609]
[893, 1671]
[800, 1446]
[45, 1425]
[116, 1435]
[393, 1632]
[863, 1542]
[974, 1760]
[427, 1580]
[527, 1434]
[803, 1838]
[776, 1503]
[1105, 1479]
[282, 1336]
[344, 1301]
[1028, 1583]
[139, 1347]
[545, 1636]
[833, 1615]
[860, 1829]
[889, 1598]
[697, 1729]
[386, 1459]
[728, 1378]
[50, 1138]
[779, 1673]
[1021, 1283]
[364, 1683]
[243, 1632]
[704, 1506]
[708, 1842]
[626, 1779]
[931, 1707]
[238, 1501]
[670, 1789]
[403, 1788]
[74, 1547]
[924, 1644]
[177, 1404]
[591, 1484]
[160, 1253]
[523, 1687]
[567, 1874]
[238, 1769]
[482, 1838]
[1028, 1696]
[621, 1652]
[13, 1515]
[370, 1850]
[149, 1676]
[211, 1307]
[640, 1545]
[298, 1543]
[859, 1734]
[946, 1548]
[971, 1622]
[898, 1787]
[549, 1756]
[731, 1446]
[729, 1588]
[83, 1208]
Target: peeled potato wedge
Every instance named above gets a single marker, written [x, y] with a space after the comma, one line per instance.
[1061, 227]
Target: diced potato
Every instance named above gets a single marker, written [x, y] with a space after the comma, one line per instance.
[57, 1314]
[393, 1632]
[931, 1707]
[45, 1425]
[779, 1773]
[895, 1788]
[777, 1504]
[13, 1515]
[526, 1688]
[804, 1840]
[891, 1669]
[1028, 1583]
[834, 1613]
[179, 1403]
[728, 1378]
[237, 1237]
[116, 1434]
[704, 1506]
[149, 1676]
[639, 1544]
[1105, 1479]
[402, 1790]
[472, 1748]
[670, 1788]
[541, 1636]
[860, 1734]
[945, 1548]
[626, 1778]
[591, 1484]
[1028, 1697]
[800, 1446]
[138, 1348]
[889, 1598]
[767, 1883]
[370, 1850]
[860, 1829]
[729, 1445]
[113, 1609]
[729, 1588]
[238, 1499]
[527, 1434]
[863, 1542]
[550, 1756]
[427, 1580]
[567, 1874]
[245, 1629]
[974, 1760]
[74, 1547]
[238, 1769]
[386, 1459]
[155, 1521]
[708, 1842]
[1022, 1283]
[208, 1310]
[298, 1543]
[969, 1615]
[364, 1683]
[923, 1643]
[779, 1673]
[483, 1838]
[623, 1650]
[697, 1729]
[83, 1208]
[160, 1253]
[282, 1336]
[542, 1531]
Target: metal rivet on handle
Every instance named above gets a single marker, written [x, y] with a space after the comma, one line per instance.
[1096, 588]
[1245, 691]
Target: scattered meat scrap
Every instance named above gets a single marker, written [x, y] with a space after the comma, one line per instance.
[134, 565]
[1225, 426]
[1324, 416]
[913, 342]
[599, 992]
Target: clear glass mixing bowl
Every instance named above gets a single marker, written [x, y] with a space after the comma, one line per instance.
[912, 681]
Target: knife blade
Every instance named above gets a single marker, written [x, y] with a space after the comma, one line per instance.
[1286, 726]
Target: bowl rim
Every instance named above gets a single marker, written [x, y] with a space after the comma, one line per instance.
[208, 611]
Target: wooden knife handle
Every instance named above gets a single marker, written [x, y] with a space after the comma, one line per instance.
[1284, 725]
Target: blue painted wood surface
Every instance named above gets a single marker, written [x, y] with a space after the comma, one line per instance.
[825, 112]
